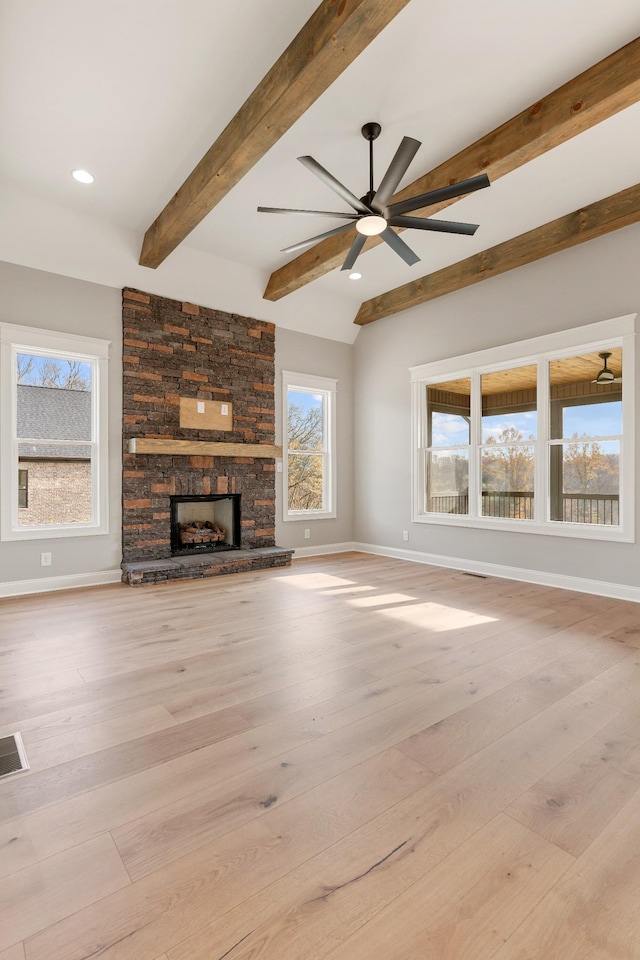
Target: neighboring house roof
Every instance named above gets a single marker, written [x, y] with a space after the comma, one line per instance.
[53, 413]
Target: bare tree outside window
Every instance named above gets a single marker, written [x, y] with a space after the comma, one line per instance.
[51, 372]
[305, 466]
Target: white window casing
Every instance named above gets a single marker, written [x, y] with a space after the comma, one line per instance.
[539, 351]
[326, 388]
[15, 339]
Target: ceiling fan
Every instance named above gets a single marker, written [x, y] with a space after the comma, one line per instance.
[606, 375]
[374, 215]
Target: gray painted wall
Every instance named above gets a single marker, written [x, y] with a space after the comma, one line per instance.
[596, 281]
[593, 282]
[48, 301]
[300, 353]
[37, 299]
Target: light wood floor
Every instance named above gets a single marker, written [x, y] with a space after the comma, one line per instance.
[355, 758]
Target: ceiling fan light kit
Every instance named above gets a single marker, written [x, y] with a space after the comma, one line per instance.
[371, 226]
[374, 215]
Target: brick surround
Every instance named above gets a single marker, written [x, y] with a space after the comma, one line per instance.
[173, 350]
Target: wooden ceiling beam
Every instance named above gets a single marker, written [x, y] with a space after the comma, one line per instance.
[600, 92]
[595, 220]
[330, 40]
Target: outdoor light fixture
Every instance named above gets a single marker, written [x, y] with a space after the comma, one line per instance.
[606, 375]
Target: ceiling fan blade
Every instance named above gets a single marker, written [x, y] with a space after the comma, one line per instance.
[442, 193]
[395, 172]
[401, 248]
[438, 226]
[316, 239]
[354, 251]
[315, 213]
[334, 184]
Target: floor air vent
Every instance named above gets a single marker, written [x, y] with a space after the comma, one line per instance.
[13, 759]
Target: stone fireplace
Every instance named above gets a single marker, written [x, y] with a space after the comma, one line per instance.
[198, 427]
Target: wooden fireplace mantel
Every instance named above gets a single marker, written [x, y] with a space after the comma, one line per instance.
[204, 448]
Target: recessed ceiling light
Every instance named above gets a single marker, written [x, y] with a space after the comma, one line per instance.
[82, 176]
[355, 276]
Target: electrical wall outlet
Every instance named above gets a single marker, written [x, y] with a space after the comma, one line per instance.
[307, 533]
[45, 559]
[405, 535]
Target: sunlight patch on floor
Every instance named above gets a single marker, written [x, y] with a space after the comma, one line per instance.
[315, 581]
[381, 599]
[437, 617]
[345, 591]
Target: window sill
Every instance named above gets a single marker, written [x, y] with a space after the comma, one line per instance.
[310, 515]
[54, 531]
[577, 531]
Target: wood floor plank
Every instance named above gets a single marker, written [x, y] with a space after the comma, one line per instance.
[52, 751]
[592, 912]
[159, 837]
[467, 906]
[69, 779]
[518, 635]
[13, 953]
[22, 681]
[353, 704]
[573, 803]
[380, 860]
[348, 740]
[166, 834]
[67, 722]
[445, 744]
[51, 829]
[164, 906]
[32, 899]
[268, 696]
[134, 924]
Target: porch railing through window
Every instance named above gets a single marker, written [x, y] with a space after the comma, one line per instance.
[591, 508]
[601, 508]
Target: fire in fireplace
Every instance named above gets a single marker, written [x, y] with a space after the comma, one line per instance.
[205, 524]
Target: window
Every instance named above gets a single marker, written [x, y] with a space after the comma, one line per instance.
[53, 434]
[448, 429]
[23, 489]
[309, 405]
[529, 437]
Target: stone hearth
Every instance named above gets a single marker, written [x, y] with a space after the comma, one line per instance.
[175, 352]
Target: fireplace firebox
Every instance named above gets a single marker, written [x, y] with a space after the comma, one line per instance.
[205, 524]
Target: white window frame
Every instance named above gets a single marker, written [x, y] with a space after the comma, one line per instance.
[327, 388]
[15, 339]
[539, 350]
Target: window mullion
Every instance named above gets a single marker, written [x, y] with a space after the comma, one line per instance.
[542, 464]
[475, 483]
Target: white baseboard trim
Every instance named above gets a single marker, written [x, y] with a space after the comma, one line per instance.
[325, 549]
[20, 588]
[599, 588]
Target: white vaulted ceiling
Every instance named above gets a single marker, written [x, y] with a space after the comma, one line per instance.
[137, 90]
